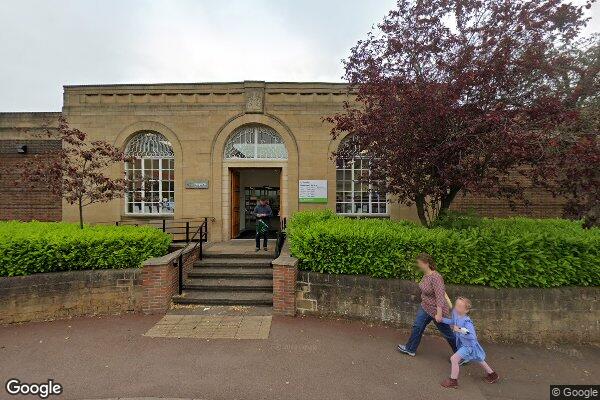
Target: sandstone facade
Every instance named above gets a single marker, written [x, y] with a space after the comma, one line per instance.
[198, 119]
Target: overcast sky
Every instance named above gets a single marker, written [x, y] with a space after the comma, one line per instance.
[49, 43]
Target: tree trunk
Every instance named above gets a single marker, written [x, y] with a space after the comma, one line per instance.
[420, 203]
[447, 201]
[80, 214]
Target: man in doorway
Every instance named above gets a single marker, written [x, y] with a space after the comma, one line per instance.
[263, 214]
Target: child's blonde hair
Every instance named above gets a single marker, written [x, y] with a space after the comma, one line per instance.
[466, 301]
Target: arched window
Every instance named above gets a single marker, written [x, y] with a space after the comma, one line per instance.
[151, 174]
[255, 142]
[355, 194]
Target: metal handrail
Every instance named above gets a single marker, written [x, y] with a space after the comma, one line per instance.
[167, 225]
[280, 236]
[202, 233]
[171, 226]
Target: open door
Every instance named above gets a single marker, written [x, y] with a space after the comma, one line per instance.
[235, 203]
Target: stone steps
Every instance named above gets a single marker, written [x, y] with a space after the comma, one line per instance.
[230, 283]
[210, 262]
[232, 272]
[229, 279]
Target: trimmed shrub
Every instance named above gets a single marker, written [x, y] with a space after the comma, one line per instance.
[33, 247]
[512, 252]
[458, 220]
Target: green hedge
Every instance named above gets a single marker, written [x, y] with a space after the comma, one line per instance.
[512, 252]
[32, 247]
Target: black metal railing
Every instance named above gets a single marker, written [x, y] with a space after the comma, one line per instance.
[191, 230]
[200, 236]
[280, 236]
[180, 229]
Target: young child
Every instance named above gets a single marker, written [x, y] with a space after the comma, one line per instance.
[469, 349]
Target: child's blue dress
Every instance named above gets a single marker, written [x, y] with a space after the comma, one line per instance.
[469, 348]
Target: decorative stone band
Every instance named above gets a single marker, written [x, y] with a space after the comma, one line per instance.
[285, 273]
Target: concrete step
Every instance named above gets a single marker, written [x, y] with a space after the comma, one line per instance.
[226, 284]
[231, 272]
[222, 310]
[224, 298]
[233, 262]
[258, 254]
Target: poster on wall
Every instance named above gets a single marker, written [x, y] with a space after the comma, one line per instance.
[312, 191]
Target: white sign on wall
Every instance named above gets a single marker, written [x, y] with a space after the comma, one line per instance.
[196, 184]
[312, 191]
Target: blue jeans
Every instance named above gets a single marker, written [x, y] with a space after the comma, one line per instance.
[421, 321]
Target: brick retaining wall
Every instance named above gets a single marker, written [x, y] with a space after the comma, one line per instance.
[285, 273]
[57, 295]
[160, 279]
[568, 314]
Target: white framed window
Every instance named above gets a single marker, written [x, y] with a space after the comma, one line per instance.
[151, 175]
[255, 142]
[354, 193]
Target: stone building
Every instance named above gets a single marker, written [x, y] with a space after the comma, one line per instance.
[211, 149]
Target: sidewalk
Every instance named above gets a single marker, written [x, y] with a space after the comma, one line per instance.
[303, 358]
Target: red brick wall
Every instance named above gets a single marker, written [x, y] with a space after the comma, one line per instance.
[541, 204]
[285, 272]
[159, 283]
[160, 280]
[21, 203]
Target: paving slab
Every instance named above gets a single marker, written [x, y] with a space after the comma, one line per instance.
[211, 327]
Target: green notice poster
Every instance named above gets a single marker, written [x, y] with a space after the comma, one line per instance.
[312, 191]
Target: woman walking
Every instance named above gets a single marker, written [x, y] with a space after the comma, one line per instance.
[433, 307]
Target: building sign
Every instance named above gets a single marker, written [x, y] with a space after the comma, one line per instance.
[196, 184]
[313, 191]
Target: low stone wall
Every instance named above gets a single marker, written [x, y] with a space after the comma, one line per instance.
[568, 314]
[57, 295]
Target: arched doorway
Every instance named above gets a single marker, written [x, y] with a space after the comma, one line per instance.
[255, 161]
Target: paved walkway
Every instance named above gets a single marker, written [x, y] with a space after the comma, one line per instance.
[303, 358]
[212, 327]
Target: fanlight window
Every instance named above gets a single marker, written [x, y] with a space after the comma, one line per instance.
[151, 175]
[255, 142]
[355, 193]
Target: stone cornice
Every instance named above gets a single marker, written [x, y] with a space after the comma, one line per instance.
[253, 94]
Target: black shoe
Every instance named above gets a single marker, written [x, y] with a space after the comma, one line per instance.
[257, 249]
[266, 249]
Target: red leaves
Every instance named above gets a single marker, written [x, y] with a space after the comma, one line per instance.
[571, 169]
[460, 93]
[78, 171]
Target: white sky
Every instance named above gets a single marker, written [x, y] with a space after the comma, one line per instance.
[45, 44]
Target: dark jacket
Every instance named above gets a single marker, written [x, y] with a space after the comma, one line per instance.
[260, 209]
